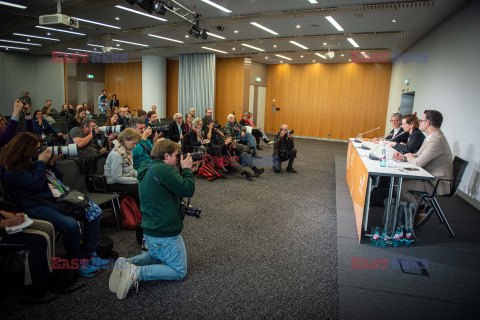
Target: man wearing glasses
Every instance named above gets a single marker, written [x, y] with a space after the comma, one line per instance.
[142, 150]
[175, 132]
[397, 134]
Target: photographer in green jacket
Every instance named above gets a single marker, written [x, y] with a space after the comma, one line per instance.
[161, 189]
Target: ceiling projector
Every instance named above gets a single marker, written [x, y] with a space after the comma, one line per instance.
[330, 54]
[58, 18]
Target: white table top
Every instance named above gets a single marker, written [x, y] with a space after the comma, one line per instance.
[394, 168]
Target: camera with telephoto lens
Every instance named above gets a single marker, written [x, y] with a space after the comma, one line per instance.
[160, 129]
[69, 150]
[196, 156]
[216, 126]
[289, 131]
[111, 129]
[189, 211]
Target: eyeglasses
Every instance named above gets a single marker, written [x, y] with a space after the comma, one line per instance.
[421, 120]
[394, 120]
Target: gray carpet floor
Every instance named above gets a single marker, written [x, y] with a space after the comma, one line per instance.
[265, 249]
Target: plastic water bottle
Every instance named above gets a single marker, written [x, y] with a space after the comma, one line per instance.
[384, 239]
[383, 159]
[408, 237]
[376, 238]
[144, 246]
[396, 239]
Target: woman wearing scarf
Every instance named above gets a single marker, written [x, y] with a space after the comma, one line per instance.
[119, 171]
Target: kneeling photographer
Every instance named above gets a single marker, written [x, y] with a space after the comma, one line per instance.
[284, 149]
[235, 155]
[161, 189]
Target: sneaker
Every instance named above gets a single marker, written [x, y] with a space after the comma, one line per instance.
[270, 143]
[290, 169]
[98, 262]
[86, 270]
[258, 171]
[423, 216]
[120, 265]
[128, 279]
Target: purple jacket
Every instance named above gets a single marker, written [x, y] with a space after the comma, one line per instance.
[11, 130]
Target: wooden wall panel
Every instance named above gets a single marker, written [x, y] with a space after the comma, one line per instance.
[328, 100]
[172, 87]
[125, 79]
[229, 88]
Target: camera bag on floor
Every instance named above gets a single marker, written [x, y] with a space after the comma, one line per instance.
[208, 172]
[131, 215]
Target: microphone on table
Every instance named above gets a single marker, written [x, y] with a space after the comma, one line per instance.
[359, 137]
[374, 157]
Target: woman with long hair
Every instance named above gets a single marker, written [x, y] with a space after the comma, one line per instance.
[77, 120]
[31, 175]
[111, 121]
[410, 124]
[187, 125]
[44, 129]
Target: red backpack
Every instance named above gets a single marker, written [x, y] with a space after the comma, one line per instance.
[208, 172]
[131, 216]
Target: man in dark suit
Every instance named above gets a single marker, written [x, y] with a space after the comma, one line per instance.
[207, 119]
[397, 134]
[175, 132]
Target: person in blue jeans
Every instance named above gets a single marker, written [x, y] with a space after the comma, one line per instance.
[161, 189]
[234, 129]
[27, 173]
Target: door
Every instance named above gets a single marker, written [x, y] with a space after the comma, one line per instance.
[406, 105]
[261, 98]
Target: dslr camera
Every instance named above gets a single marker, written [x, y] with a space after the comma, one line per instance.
[111, 129]
[160, 129]
[70, 150]
[196, 156]
[186, 210]
[289, 131]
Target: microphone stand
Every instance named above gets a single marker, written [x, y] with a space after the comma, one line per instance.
[358, 139]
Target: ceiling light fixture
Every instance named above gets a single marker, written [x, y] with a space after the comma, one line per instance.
[313, 60]
[324, 43]
[321, 55]
[301, 56]
[264, 28]
[252, 47]
[216, 50]
[31, 36]
[71, 54]
[117, 18]
[128, 42]
[313, 1]
[215, 35]
[234, 49]
[335, 23]
[394, 20]
[97, 23]
[14, 5]
[49, 34]
[17, 48]
[21, 42]
[60, 30]
[140, 12]
[298, 26]
[83, 50]
[353, 42]
[100, 46]
[165, 38]
[342, 55]
[349, 59]
[274, 45]
[236, 31]
[298, 45]
[213, 4]
[280, 56]
[365, 55]
[187, 36]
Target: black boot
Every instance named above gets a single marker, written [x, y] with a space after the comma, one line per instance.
[258, 147]
[248, 175]
[257, 171]
[290, 169]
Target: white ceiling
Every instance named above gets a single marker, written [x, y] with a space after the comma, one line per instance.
[371, 28]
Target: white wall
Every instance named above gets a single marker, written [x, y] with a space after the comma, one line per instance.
[36, 74]
[154, 84]
[450, 83]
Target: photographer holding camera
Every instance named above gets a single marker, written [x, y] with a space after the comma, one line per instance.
[142, 151]
[161, 189]
[234, 129]
[85, 137]
[8, 131]
[233, 155]
[284, 149]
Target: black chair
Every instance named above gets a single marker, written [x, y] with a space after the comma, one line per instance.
[459, 167]
[74, 178]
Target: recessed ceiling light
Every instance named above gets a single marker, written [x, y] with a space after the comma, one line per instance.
[349, 59]
[298, 45]
[216, 50]
[313, 1]
[117, 18]
[140, 12]
[187, 36]
[324, 43]
[252, 47]
[83, 50]
[128, 42]
[32, 36]
[95, 49]
[342, 55]
[281, 61]
[335, 23]
[15, 48]
[321, 56]
[10, 4]
[49, 34]
[117, 45]
[97, 23]
[100, 46]
[217, 6]
[28, 39]
[280, 56]
[353, 42]
[215, 35]
[274, 45]
[236, 31]
[72, 54]
[165, 38]
[394, 20]
[301, 56]
[298, 26]
[313, 60]
[266, 57]
[21, 42]
[365, 55]
[234, 49]
[60, 30]
[264, 28]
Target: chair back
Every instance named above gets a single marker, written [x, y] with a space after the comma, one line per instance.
[459, 167]
[101, 165]
[73, 176]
